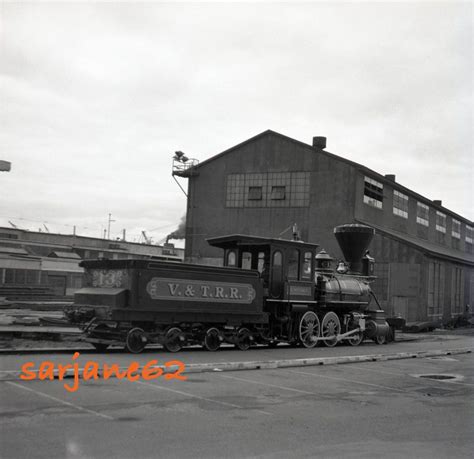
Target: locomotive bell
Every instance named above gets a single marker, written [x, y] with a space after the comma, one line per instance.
[353, 240]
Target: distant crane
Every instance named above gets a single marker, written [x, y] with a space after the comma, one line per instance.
[13, 224]
[146, 238]
[46, 228]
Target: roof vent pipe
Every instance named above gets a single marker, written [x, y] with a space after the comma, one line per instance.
[390, 177]
[438, 202]
[319, 142]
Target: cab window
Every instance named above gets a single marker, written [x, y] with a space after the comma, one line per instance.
[261, 262]
[277, 259]
[231, 258]
[293, 263]
[246, 260]
[306, 274]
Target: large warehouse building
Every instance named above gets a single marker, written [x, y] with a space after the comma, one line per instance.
[262, 186]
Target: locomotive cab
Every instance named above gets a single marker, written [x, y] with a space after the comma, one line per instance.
[286, 267]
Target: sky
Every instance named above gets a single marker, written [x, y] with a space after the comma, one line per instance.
[95, 98]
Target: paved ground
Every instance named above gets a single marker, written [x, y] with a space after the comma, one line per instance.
[376, 409]
[13, 362]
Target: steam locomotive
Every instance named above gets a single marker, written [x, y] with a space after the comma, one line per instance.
[269, 291]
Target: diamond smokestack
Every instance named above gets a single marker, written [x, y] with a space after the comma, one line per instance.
[354, 239]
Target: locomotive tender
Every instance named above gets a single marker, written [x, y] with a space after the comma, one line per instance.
[269, 291]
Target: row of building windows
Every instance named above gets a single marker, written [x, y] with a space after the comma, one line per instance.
[36, 277]
[373, 196]
[277, 193]
[282, 189]
[373, 193]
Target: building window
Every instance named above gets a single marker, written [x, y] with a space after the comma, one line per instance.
[469, 234]
[278, 192]
[435, 288]
[76, 282]
[400, 204]
[456, 229]
[440, 222]
[373, 193]
[20, 276]
[422, 214]
[255, 193]
[32, 276]
[276, 189]
[9, 276]
[457, 290]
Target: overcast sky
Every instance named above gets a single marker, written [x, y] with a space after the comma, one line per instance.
[96, 97]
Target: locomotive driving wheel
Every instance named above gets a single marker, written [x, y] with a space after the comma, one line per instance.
[243, 339]
[308, 329]
[330, 326]
[136, 340]
[212, 339]
[173, 339]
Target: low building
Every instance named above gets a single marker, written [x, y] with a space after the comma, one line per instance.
[424, 252]
[30, 258]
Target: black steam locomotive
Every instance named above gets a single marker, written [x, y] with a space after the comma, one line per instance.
[269, 291]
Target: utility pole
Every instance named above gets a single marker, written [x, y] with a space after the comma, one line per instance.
[110, 221]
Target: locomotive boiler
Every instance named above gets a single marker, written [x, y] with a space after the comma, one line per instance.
[268, 291]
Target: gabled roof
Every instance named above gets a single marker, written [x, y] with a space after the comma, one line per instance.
[358, 166]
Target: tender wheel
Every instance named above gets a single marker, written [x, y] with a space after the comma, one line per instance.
[100, 346]
[308, 329]
[173, 339]
[212, 341]
[243, 339]
[136, 340]
[380, 339]
[330, 326]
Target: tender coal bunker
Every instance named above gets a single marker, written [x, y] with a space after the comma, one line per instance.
[439, 377]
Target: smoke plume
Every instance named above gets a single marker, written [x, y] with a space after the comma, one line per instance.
[180, 232]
